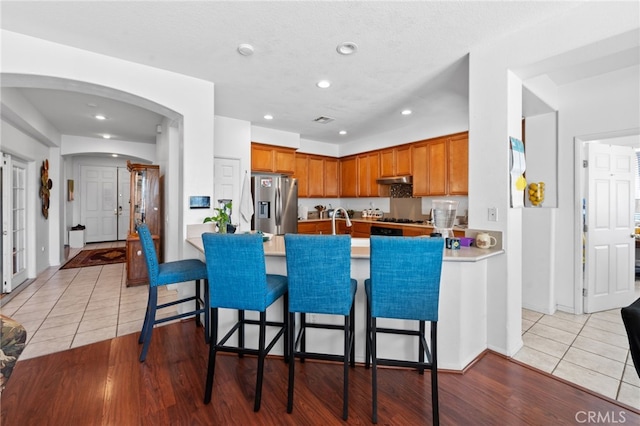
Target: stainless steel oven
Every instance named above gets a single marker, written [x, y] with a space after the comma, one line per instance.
[383, 230]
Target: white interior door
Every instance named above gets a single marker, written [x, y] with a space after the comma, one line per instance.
[226, 184]
[610, 244]
[5, 216]
[124, 199]
[99, 209]
[14, 223]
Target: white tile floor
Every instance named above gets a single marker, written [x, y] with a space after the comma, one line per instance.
[67, 308]
[591, 350]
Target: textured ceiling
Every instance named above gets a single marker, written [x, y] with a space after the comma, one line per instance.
[411, 54]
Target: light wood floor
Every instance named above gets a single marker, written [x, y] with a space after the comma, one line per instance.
[104, 384]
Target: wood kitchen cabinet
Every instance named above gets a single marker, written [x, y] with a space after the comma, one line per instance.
[440, 166]
[302, 174]
[361, 229]
[458, 164]
[322, 227]
[331, 177]
[273, 159]
[429, 168]
[395, 161]
[349, 176]
[318, 176]
[368, 173]
[145, 206]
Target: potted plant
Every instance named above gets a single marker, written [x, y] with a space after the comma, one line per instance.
[221, 217]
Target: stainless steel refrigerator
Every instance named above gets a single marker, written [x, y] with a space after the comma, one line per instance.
[275, 200]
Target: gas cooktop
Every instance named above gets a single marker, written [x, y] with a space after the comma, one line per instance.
[399, 220]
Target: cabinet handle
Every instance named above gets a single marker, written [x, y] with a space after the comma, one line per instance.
[139, 252]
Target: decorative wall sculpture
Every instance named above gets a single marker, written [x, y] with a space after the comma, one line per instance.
[45, 186]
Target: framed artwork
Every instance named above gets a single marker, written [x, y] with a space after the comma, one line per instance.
[70, 189]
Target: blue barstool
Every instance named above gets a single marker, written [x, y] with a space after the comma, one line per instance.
[238, 280]
[405, 285]
[319, 273]
[178, 271]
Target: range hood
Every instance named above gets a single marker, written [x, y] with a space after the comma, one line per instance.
[394, 180]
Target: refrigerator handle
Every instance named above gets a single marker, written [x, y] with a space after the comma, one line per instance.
[278, 209]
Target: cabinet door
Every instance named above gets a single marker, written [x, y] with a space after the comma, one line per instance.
[324, 227]
[261, 158]
[331, 178]
[437, 167]
[316, 176]
[362, 163]
[361, 229]
[348, 177]
[284, 161]
[302, 174]
[306, 227]
[136, 263]
[387, 160]
[458, 163]
[412, 231]
[420, 154]
[403, 160]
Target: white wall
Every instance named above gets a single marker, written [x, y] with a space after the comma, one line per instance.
[275, 137]
[191, 98]
[608, 103]
[23, 147]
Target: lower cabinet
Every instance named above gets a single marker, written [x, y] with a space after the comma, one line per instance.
[136, 263]
[322, 227]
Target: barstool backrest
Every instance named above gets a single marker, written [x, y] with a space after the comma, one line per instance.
[236, 270]
[405, 277]
[319, 273]
[149, 251]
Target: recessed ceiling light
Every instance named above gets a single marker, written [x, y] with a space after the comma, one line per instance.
[268, 117]
[323, 84]
[106, 136]
[245, 49]
[343, 132]
[406, 112]
[347, 48]
[114, 155]
[100, 117]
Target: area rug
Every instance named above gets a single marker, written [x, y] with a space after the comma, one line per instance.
[97, 257]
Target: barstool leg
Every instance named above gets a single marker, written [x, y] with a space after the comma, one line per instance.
[345, 381]
[197, 302]
[374, 373]
[213, 341]
[241, 332]
[434, 373]
[150, 321]
[292, 360]
[261, 356]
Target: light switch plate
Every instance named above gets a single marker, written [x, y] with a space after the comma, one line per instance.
[493, 214]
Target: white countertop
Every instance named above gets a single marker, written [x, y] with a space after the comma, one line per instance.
[275, 247]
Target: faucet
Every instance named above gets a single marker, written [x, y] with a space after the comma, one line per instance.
[333, 219]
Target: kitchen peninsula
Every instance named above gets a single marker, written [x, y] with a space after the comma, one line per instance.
[462, 330]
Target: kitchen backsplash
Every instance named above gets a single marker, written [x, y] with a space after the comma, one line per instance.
[401, 191]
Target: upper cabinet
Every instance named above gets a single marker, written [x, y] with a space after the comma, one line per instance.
[274, 159]
[349, 176]
[440, 166]
[395, 161]
[458, 164]
[368, 173]
[318, 176]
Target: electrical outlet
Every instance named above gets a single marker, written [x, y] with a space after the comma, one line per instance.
[493, 214]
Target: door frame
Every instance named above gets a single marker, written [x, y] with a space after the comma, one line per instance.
[579, 183]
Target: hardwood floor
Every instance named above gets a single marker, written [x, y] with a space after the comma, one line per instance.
[104, 384]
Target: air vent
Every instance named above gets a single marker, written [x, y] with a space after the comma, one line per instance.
[323, 120]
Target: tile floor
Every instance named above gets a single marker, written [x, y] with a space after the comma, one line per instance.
[67, 308]
[63, 309]
[591, 350]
